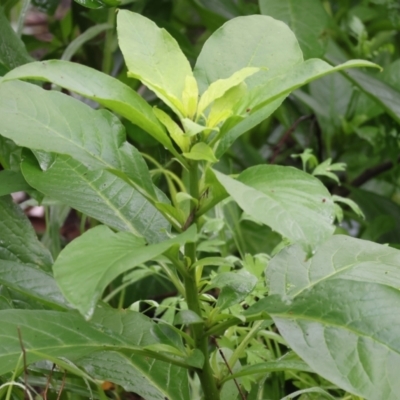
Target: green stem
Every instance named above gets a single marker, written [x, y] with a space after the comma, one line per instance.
[108, 43]
[243, 344]
[206, 376]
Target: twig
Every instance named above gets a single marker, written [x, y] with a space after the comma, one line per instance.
[367, 175]
[48, 382]
[286, 136]
[242, 395]
[24, 360]
[62, 385]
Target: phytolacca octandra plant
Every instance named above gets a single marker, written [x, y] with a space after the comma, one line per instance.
[80, 157]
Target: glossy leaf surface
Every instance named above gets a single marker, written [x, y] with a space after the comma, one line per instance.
[91, 262]
[18, 240]
[307, 19]
[98, 194]
[252, 41]
[93, 84]
[336, 311]
[291, 202]
[153, 56]
[12, 50]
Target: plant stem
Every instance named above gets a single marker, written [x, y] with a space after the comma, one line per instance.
[108, 43]
[206, 376]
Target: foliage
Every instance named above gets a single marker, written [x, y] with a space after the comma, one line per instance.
[201, 269]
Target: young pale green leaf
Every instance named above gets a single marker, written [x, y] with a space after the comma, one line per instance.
[12, 50]
[33, 283]
[153, 56]
[218, 88]
[336, 312]
[222, 108]
[251, 41]
[190, 96]
[290, 201]
[11, 182]
[102, 88]
[173, 128]
[91, 262]
[201, 152]
[309, 27]
[98, 194]
[18, 240]
[235, 286]
[262, 101]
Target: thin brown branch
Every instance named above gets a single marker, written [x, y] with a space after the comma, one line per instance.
[286, 136]
[242, 395]
[62, 385]
[367, 175]
[21, 343]
[46, 389]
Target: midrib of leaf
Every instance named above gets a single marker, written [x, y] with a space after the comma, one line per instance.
[325, 323]
[111, 205]
[102, 161]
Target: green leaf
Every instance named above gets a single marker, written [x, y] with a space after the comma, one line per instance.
[11, 182]
[98, 194]
[52, 334]
[91, 262]
[173, 128]
[271, 366]
[79, 41]
[93, 84]
[235, 287]
[151, 379]
[187, 317]
[94, 4]
[384, 94]
[218, 88]
[290, 201]
[263, 100]
[153, 56]
[252, 41]
[32, 282]
[12, 50]
[18, 240]
[53, 122]
[308, 26]
[336, 312]
[201, 151]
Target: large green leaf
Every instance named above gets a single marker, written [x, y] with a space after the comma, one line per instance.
[151, 379]
[93, 84]
[337, 311]
[153, 56]
[91, 262]
[11, 182]
[18, 240]
[33, 283]
[98, 194]
[12, 50]
[263, 100]
[251, 41]
[53, 122]
[53, 334]
[384, 94]
[308, 26]
[292, 202]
